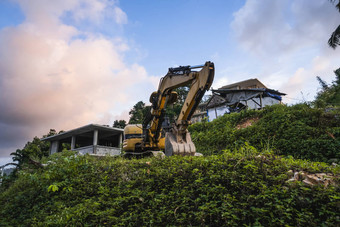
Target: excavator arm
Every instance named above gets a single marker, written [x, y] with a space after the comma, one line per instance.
[178, 140]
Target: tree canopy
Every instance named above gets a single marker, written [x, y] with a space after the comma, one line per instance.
[119, 124]
[138, 113]
[329, 95]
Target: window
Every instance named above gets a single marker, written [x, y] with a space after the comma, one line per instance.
[131, 136]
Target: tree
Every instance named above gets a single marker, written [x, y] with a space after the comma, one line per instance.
[119, 124]
[138, 113]
[182, 93]
[140, 110]
[34, 150]
[329, 95]
[173, 110]
[334, 40]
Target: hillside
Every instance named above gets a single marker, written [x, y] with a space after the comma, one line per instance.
[233, 188]
[300, 131]
[241, 180]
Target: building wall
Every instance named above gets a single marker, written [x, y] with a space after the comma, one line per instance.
[266, 101]
[101, 150]
[213, 113]
[85, 150]
[216, 112]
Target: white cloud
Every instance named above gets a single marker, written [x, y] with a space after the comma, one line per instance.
[120, 16]
[221, 82]
[6, 160]
[49, 78]
[289, 40]
[280, 27]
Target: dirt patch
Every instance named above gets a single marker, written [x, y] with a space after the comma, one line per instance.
[312, 179]
[247, 123]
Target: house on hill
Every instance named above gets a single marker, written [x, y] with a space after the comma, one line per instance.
[247, 94]
[92, 139]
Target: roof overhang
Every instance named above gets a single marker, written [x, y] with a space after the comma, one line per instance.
[255, 90]
[84, 129]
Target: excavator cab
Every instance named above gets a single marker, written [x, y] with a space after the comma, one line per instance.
[133, 135]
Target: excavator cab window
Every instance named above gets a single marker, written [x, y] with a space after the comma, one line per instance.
[131, 136]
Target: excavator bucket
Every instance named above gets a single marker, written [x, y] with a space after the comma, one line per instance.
[179, 145]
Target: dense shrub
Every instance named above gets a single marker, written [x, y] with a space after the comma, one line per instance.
[229, 189]
[299, 130]
[232, 185]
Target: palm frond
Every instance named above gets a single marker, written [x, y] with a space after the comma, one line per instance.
[337, 5]
[334, 40]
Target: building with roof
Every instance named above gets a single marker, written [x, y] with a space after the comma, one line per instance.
[92, 139]
[247, 94]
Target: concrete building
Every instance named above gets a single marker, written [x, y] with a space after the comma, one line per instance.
[91, 139]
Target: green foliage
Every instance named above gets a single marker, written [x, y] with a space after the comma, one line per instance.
[233, 188]
[119, 124]
[241, 180]
[329, 95]
[36, 149]
[28, 157]
[173, 110]
[299, 130]
[138, 113]
[140, 110]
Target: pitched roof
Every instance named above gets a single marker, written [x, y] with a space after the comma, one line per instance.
[245, 84]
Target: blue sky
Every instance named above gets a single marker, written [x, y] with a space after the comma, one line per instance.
[67, 63]
[170, 32]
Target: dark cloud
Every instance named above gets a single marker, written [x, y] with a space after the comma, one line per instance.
[11, 138]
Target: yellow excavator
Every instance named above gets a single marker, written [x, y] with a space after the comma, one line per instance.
[152, 135]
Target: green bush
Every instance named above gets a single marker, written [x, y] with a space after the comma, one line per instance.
[300, 131]
[241, 180]
[234, 188]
